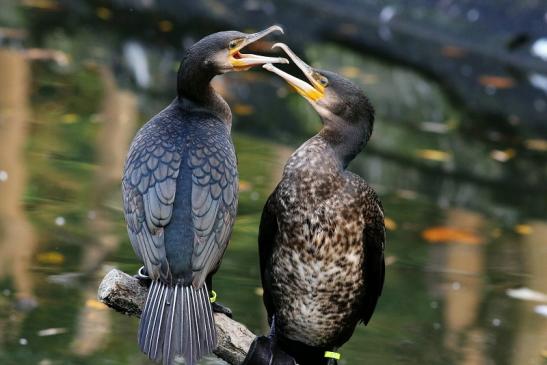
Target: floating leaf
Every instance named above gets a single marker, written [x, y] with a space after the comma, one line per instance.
[390, 224]
[245, 186]
[536, 144]
[407, 194]
[496, 233]
[95, 304]
[51, 332]
[70, 118]
[60, 221]
[348, 29]
[251, 76]
[503, 156]
[243, 109]
[104, 13]
[41, 4]
[62, 58]
[523, 229]
[453, 52]
[390, 260]
[449, 234]
[434, 127]
[50, 258]
[259, 291]
[368, 79]
[165, 26]
[527, 294]
[434, 155]
[541, 310]
[350, 71]
[499, 82]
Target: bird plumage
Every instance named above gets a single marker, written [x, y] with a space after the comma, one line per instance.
[180, 194]
[322, 236]
[180, 190]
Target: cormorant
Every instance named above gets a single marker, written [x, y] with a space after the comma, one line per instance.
[180, 194]
[321, 237]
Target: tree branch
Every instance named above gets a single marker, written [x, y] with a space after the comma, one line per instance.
[127, 295]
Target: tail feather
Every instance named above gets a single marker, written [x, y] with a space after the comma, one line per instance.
[209, 331]
[177, 321]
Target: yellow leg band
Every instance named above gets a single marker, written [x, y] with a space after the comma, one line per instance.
[214, 297]
[332, 355]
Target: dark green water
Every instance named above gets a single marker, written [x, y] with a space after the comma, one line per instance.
[466, 215]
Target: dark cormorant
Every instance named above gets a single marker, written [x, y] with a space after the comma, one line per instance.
[180, 193]
[322, 237]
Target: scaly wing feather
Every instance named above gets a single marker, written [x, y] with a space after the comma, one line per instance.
[214, 199]
[374, 240]
[148, 186]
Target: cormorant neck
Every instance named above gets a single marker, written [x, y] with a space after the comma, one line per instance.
[194, 84]
[347, 139]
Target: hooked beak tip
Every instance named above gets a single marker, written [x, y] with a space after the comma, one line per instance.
[278, 28]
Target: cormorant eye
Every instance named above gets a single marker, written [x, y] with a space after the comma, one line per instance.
[233, 44]
[324, 81]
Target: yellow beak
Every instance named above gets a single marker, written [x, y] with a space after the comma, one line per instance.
[241, 61]
[312, 91]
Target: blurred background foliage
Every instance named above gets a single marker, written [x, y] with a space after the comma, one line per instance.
[458, 156]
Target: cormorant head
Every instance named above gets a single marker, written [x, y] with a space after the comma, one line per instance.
[221, 52]
[335, 98]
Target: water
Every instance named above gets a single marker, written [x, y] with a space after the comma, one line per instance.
[466, 214]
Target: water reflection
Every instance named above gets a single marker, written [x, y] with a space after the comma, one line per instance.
[531, 331]
[17, 237]
[117, 117]
[466, 216]
[462, 287]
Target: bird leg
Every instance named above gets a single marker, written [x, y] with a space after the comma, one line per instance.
[264, 351]
[217, 307]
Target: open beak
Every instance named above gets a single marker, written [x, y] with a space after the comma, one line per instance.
[312, 91]
[242, 62]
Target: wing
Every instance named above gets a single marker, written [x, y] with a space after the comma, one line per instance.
[148, 187]
[374, 238]
[267, 233]
[212, 160]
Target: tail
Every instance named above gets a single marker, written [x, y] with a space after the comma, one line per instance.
[177, 321]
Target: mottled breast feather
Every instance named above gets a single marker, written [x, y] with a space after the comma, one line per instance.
[152, 174]
[321, 246]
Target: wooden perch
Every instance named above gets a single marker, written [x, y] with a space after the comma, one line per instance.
[127, 295]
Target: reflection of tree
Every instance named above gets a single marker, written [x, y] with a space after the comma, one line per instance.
[17, 241]
[461, 288]
[531, 331]
[118, 116]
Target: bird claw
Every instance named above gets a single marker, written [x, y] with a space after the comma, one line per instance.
[219, 308]
[143, 277]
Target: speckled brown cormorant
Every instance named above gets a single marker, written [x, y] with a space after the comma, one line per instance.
[322, 237]
[180, 193]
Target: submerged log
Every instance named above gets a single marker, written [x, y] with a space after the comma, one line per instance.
[126, 294]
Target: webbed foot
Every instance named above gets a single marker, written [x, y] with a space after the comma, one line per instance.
[263, 351]
[220, 308]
